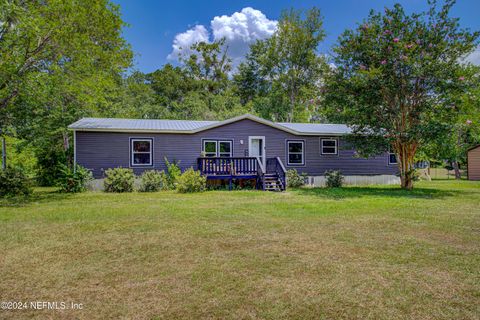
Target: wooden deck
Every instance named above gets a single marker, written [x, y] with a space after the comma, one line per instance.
[270, 177]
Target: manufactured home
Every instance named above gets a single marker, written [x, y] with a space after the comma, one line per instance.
[242, 147]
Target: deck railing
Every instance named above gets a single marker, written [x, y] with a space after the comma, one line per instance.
[275, 166]
[229, 166]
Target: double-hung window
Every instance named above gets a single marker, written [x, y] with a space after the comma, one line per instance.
[329, 146]
[217, 148]
[295, 152]
[141, 151]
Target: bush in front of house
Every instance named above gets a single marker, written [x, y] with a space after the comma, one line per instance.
[333, 178]
[14, 182]
[172, 174]
[294, 179]
[191, 181]
[152, 181]
[73, 181]
[119, 180]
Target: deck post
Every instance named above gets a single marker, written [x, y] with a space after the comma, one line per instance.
[230, 183]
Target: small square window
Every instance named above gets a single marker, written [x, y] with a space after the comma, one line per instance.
[225, 148]
[329, 146]
[210, 148]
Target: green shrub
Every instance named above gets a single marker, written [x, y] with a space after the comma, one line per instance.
[173, 173]
[191, 181]
[119, 180]
[294, 179]
[50, 157]
[333, 178]
[72, 181]
[14, 182]
[152, 181]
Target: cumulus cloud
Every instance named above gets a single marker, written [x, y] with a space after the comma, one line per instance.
[239, 30]
[474, 57]
[183, 41]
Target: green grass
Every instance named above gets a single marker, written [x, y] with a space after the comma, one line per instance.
[366, 253]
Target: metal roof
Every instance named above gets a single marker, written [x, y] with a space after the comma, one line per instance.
[323, 128]
[190, 126]
[139, 124]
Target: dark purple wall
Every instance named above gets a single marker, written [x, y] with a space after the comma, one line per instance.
[99, 151]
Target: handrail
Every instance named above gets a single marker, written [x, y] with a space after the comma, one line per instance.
[275, 166]
[231, 166]
[260, 164]
[234, 167]
[281, 165]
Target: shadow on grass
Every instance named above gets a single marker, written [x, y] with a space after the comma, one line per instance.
[38, 196]
[392, 192]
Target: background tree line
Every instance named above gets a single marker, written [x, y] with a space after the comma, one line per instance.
[62, 60]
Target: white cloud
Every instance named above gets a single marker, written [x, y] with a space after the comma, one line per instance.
[474, 57]
[239, 30]
[183, 41]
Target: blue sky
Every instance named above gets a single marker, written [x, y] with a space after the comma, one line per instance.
[156, 25]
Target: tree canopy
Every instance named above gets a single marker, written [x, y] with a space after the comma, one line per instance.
[397, 77]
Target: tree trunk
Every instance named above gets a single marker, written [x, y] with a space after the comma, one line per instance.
[406, 165]
[4, 154]
[456, 168]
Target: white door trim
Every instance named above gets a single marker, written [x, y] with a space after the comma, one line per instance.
[264, 151]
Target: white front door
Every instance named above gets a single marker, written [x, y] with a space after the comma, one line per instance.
[256, 147]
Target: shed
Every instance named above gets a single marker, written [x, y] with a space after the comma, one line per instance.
[473, 163]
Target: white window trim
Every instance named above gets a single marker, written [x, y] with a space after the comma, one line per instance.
[231, 148]
[396, 158]
[132, 152]
[328, 153]
[217, 146]
[302, 153]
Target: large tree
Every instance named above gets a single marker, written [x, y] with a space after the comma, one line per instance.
[209, 64]
[281, 72]
[59, 59]
[397, 75]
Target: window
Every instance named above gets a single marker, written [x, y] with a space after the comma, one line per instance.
[295, 152]
[141, 152]
[225, 148]
[329, 146]
[210, 148]
[392, 157]
[217, 148]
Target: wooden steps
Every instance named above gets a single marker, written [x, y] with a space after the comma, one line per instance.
[273, 183]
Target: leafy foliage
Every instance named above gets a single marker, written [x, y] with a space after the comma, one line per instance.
[172, 174]
[397, 77]
[119, 180]
[73, 181]
[333, 178]
[281, 73]
[191, 181]
[294, 179]
[152, 181]
[50, 160]
[21, 154]
[59, 61]
[14, 182]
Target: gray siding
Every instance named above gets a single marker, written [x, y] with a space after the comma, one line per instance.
[99, 151]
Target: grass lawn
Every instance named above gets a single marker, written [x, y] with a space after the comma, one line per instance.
[365, 253]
